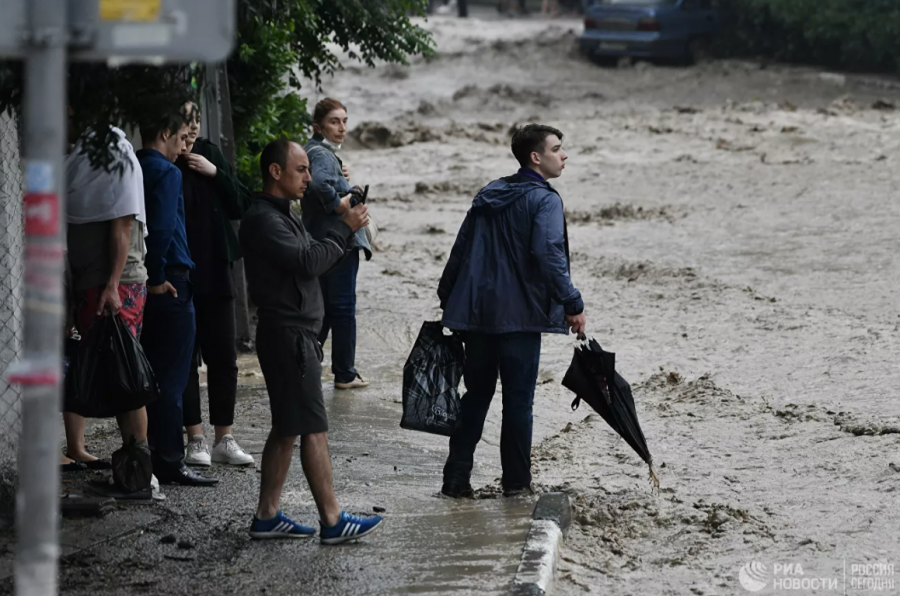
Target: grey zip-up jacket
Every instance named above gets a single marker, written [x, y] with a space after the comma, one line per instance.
[324, 194]
[283, 262]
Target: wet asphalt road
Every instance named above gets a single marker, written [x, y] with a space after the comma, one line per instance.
[427, 544]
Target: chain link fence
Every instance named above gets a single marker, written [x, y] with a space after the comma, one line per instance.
[12, 243]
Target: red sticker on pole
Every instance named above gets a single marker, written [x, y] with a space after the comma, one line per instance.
[41, 199]
[41, 214]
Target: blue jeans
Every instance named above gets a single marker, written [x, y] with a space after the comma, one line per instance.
[168, 342]
[514, 357]
[339, 294]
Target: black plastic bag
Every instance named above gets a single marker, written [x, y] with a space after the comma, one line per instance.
[132, 469]
[70, 355]
[110, 374]
[431, 376]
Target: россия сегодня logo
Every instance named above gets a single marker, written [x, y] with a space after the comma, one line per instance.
[753, 576]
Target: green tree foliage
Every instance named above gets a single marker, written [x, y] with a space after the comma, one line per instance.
[281, 42]
[101, 97]
[852, 34]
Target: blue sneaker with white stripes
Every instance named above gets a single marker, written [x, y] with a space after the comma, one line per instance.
[350, 527]
[280, 526]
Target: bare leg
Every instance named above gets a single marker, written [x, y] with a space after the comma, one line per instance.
[75, 437]
[133, 424]
[221, 431]
[276, 461]
[317, 468]
[193, 431]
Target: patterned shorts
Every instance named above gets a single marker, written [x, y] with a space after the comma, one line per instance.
[133, 297]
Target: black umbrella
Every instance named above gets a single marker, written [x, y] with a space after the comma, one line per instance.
[589, 378]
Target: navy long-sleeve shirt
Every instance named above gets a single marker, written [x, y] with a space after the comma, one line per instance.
[167, 239]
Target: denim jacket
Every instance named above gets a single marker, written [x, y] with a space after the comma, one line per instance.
[324, 194]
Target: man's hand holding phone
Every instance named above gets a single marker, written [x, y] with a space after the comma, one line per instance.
[357, 217]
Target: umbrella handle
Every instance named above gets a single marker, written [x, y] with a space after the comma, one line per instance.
[581, 337]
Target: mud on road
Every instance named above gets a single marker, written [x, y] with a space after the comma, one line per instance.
[733, 229]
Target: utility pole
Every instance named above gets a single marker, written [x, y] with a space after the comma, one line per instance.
[37, 511]
[55, 30]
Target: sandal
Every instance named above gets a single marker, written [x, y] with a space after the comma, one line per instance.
[98, 464]
[74, 466]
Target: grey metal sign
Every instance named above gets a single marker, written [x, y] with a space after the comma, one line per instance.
[12, 27]
[200, 30]
[129, 30]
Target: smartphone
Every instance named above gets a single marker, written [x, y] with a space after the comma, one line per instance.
[364, 195]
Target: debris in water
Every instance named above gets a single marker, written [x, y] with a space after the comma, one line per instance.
[426, 108]
[787, 106]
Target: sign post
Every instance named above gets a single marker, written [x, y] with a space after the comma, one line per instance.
[37, 510]
[115, 31]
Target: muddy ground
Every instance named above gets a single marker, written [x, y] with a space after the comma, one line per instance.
[734, 233]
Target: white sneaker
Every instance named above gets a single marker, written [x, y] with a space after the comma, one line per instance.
[356, 383]
[227, 451]
[154, 489]
[197, 453]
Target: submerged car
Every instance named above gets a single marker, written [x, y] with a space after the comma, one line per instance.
[679, 30]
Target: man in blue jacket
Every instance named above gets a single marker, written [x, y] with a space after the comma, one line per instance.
[169, 327]
[507, 282]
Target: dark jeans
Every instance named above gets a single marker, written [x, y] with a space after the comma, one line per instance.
[216, 345]
[339, 294]
[168, 341]
[515, 358]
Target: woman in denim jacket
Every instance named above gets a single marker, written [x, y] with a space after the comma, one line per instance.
[325, 200]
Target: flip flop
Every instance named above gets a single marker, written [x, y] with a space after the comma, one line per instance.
[75, 466]
[98, 464]
[94, 464]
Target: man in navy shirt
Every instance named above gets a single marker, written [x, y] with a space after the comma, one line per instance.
[507, 282]
[169, 327]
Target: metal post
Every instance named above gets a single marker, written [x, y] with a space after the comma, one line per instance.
[210, 101]
[40, 372]
[226, 142]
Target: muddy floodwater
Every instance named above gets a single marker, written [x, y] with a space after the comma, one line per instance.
[734, 231]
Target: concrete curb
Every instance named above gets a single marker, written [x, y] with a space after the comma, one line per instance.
[550, 522]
